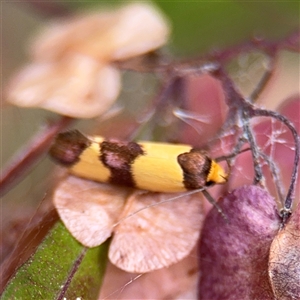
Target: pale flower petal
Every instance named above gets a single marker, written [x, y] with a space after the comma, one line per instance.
[63, 37]
[76, 86]
[71, 72]
[140, 29]
[158, 236]
[89, 209]
[148, 234]
[113, 35]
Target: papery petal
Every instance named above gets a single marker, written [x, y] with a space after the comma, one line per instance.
[112, 35]
[64, 36]
[158, 236]
[175, 282]
[146, 29]
[89, 209]
[76, 86]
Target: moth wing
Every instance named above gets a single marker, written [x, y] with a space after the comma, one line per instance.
[157, 236]
[89, 209]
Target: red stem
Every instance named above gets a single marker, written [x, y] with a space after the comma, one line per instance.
[23, 161]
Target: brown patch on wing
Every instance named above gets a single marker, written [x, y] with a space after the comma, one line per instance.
[68, 147]
[196, 166]
[118, 157]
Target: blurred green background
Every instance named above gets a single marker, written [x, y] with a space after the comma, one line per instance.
[200, 26]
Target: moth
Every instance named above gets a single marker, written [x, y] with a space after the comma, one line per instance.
[111, 182]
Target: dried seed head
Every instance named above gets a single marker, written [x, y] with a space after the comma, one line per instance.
[284, 260]
[234, 255]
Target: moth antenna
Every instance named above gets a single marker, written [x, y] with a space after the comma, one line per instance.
[121, 289]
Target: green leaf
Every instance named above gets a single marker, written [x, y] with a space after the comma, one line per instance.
[200, 26]
[61, 267]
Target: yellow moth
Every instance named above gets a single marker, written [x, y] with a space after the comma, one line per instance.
[120, 179]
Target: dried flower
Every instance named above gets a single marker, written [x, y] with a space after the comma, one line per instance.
[234, 255]
[71, 71]
[284, 260]
[144, 240]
